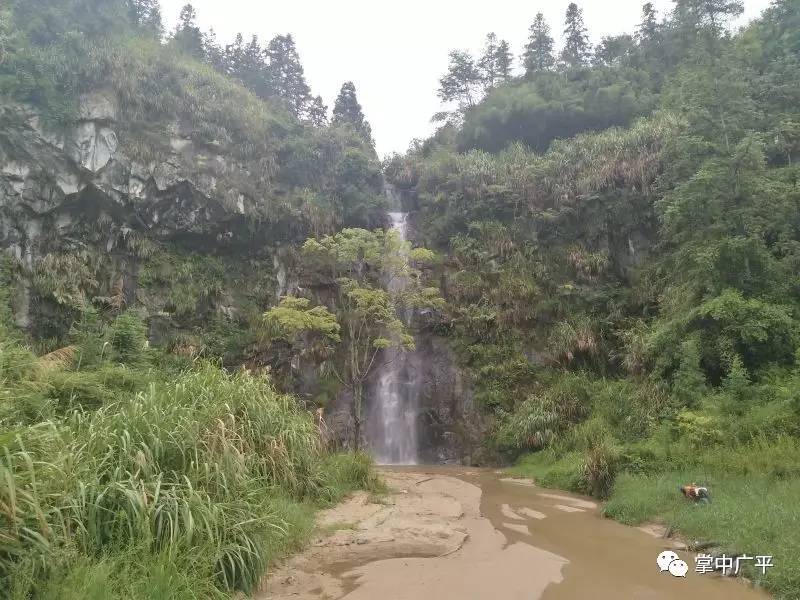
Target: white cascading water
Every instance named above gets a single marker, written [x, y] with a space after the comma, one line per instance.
[392, 425]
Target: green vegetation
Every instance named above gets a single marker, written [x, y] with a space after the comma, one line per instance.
[141, 482]
[207, 289]
[60, 50]
[620, 235]
[367, 319]
[751, 512]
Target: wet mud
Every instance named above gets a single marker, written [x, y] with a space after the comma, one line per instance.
[457, 533]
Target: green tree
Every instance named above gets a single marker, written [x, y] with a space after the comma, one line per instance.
[215, 53]
[317, 113]
[713, 94]
[494, 66]
[704, 19]
[147, 15]
[548, 107]
[647, 31]
[357, 262]
[233, 55]
[614, 50]
[287, 79]
[505, 60]
[47, 21]
[248, 64]
[187, 36]
[310, 333]
[294, 317]
[487, 63]
[129, 338]
[577, 49]
[650, 38]
[538, 55]
[460, 83]
[347, 112]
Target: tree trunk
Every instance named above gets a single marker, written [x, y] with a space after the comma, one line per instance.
[358, 394]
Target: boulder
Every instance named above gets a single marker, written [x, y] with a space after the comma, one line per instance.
[91, 146]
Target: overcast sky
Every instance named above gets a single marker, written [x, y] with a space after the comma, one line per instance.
[395, 52]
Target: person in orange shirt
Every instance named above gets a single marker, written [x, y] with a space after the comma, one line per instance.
[695, 492]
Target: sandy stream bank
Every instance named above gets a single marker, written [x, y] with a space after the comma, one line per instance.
[456, 533]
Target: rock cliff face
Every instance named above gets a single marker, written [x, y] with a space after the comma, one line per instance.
[181, 186]
[452, 427]
[80, 192]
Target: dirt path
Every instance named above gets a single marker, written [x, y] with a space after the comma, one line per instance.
[447, 533]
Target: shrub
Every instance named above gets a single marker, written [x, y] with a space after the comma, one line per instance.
[600, 468]
[128, 338]
[554, 471]
[700, 430]
[16, 362]
[544, 416]
[341, 473]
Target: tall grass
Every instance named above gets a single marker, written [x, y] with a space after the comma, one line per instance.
[211, 464]
[749, 514]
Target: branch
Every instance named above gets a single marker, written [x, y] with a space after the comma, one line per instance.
[339, 377]
[372, 360]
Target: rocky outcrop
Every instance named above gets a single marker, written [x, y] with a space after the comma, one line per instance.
[102, 175]
[182, 184]
[451, 426]
[92, 143]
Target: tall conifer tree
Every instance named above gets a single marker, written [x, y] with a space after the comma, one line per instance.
[538, 55]
[494, 65]
[576, 41]
[187, 36]
[347, 112]
[287, 79]
[504, 61]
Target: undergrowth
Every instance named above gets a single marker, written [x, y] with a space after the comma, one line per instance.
[125, 481]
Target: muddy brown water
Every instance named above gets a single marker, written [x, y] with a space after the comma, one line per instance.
[518, 541]
[606, 559]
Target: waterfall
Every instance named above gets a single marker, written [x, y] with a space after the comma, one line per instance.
[392, 422]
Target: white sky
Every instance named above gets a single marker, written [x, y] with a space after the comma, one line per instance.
[395, 52]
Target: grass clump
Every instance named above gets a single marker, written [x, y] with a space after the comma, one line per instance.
[345, 472]
[553, 471]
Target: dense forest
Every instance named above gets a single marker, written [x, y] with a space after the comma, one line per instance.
[194, 296]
